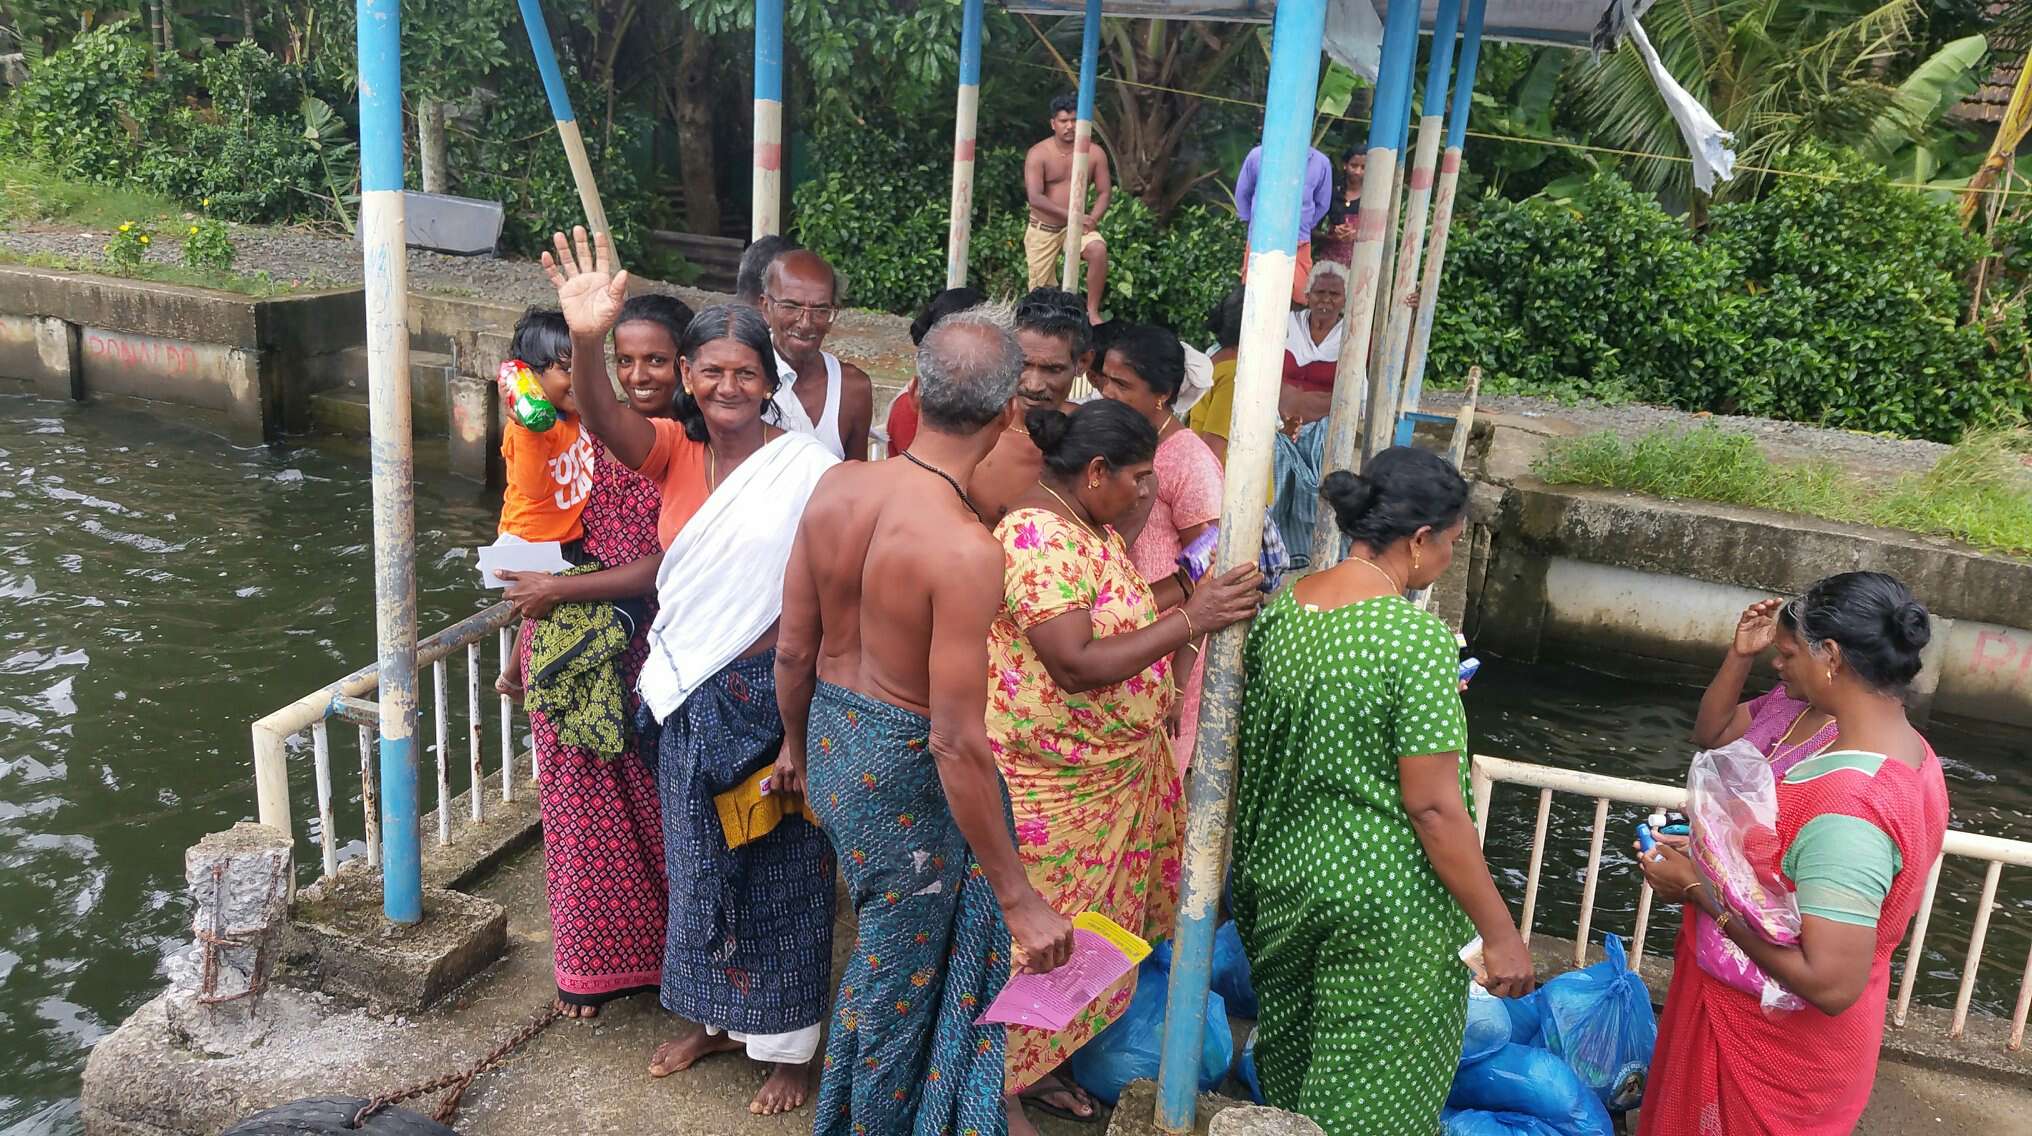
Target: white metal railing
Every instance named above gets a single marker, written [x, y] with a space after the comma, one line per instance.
[1487, 772]
[349, 699]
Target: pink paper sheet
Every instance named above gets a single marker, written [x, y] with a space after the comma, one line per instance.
[1049, 1001]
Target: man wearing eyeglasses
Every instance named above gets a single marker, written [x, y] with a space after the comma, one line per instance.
[817, 394]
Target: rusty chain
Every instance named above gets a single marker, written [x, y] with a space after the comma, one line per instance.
[460, 1081]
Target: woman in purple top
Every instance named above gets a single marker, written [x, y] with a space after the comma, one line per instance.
[1781, 725]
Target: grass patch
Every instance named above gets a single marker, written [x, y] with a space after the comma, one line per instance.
[259, 284]
[29, 193]
[1979, 493]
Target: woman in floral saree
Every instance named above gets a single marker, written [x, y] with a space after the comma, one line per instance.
[1080, 687]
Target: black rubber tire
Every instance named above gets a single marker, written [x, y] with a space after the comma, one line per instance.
[330, 1116]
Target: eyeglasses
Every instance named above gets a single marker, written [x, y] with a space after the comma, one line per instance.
[821, 314]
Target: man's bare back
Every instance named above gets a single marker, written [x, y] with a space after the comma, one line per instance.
[894, 533]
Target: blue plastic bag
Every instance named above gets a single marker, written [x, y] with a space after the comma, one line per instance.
[1231, 972]
[1600, 1020]
[1245, 1069]
[1527, 1019]
[1133, 1046]
[1488, 1026]
[1535, 1083]
[1476, 1122]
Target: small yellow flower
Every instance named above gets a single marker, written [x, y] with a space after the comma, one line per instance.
[126, 225]
[194, 230]
[144, 238]
[207, 203]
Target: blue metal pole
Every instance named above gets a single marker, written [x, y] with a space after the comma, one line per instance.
[768, 189]
[385, 261]
[1411, 244]
[1266, 306]
[1443, 201]
[561, 111]
[964, 126]
[1353, 381]
[1082, 149]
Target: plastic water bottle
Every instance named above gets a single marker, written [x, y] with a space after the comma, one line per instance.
[526, 403]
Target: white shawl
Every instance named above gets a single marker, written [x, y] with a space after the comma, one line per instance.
[1298, 340]
[721, 582]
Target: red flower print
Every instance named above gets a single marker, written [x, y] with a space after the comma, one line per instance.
[1033, 831]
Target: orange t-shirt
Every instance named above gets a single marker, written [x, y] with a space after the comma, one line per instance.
[550, 475]
[678, 466]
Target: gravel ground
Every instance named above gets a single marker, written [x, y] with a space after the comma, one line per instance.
[880, 342]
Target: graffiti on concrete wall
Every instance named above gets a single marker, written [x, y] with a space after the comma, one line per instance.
[140, 352]
[2003, 655]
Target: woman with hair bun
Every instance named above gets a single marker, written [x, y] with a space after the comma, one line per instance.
[1080, 686]
[1859, 828]
[1357, 873]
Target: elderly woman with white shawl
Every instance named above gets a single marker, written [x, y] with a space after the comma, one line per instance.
[1312, 352]
[748, 945]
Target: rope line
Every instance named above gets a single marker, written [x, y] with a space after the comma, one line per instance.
[1490, 136]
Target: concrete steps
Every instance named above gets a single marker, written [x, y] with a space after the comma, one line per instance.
[343, 410]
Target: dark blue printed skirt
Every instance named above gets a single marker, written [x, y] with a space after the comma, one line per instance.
[930, 948]
[748, 945]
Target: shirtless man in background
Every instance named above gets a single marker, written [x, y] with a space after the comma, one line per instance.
[1057, 348]
[881, 660]
[1047, 182]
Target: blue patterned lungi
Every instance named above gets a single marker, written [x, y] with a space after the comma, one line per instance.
[930, 948]
[1295, 478]
[748, 946]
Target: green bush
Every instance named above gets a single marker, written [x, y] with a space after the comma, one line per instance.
[100, 110]
[1837, 299]
[129, 245]
[206, 245]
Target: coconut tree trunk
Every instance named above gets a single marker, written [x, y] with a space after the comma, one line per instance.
[694, 98]
[431, 149]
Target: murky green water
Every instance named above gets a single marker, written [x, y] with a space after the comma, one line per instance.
[159, 590]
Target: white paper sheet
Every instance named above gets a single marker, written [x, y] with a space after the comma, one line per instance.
[512, 554]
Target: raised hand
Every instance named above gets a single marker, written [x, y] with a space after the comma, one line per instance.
[590, 290]
[1757, 627]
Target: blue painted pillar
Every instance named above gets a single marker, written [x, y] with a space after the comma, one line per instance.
[1410, 246]
[1353, 381]
[964, 124]
[561, 111]
[1443, 201]
[382, 232]
[1082, 147]
[767, 211]
[1273, 254]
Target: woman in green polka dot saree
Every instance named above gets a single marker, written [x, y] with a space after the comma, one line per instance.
[1357, 874]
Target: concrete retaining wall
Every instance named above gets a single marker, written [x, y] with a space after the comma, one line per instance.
[256, 361]
[1647, 586]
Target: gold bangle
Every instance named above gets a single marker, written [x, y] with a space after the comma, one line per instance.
[1688, 889]
[1190, 632]
[1722, 921]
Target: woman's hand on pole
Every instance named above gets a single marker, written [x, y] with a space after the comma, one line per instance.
[1226, 600]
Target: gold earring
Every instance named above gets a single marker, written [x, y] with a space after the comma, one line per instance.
[1092, 484]
[1416, 560]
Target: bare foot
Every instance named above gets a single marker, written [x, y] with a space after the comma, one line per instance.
[785, 1090]
[574, 1010]
[684, 1052]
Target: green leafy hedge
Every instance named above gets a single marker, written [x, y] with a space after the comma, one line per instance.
[1837, 298]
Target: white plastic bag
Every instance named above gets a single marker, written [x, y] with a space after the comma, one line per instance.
[1732, 810]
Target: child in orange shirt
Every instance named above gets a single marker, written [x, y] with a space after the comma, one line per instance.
[549, 473]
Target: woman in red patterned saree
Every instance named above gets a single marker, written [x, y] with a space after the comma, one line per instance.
[602, 825]
[1859, 828]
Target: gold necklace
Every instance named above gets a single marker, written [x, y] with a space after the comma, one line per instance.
[1380, 571]
[1072, 513]
[711, 477]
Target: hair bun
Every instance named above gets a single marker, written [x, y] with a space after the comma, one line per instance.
[1909, 626]
[1350, 495]
[1047, 427]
